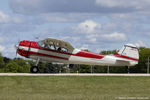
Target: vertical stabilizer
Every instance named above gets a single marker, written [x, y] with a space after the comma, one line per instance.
[129, 50]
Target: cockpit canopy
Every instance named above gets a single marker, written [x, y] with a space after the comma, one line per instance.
[55, 44]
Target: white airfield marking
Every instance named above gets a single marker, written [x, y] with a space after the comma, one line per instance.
[70, 74]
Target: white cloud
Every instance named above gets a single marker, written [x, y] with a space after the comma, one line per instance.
[82, 6]
[92, 38]
[131, 4]
[2, 48]
[4, 18]
[110, 3]
[84, 47]
[17, 20]
[98, 50]
[88, 27]
[76, 39]
[140, 44]
[57, 19]
[64, 17]
[10, 51]
[115, 36]
[95, 32]
[107, 27]
[1, 39]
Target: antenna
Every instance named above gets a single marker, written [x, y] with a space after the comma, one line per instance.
[37, 38]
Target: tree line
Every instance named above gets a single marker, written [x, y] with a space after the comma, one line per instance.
[19, 65]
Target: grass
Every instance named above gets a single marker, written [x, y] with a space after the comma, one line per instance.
[72, 87]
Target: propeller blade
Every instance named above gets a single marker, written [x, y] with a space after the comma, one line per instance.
[16, 53]
[16, 47]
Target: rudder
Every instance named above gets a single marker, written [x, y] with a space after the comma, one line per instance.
[129, 50]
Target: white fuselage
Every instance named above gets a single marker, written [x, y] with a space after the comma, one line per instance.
[75, 58]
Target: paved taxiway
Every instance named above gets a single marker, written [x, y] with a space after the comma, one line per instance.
[69, 74]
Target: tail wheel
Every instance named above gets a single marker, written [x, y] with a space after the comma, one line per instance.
[34, 69]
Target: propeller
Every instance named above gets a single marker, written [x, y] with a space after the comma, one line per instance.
[16, 47]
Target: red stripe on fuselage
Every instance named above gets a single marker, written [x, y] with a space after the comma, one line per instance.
[89, 55]
[80, 53]
[35, 45]
[40, 54]
[56, 51]
[125, 57]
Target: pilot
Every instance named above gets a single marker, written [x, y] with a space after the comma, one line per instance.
[59, 49]
[46, 46]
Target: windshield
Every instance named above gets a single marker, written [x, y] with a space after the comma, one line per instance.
[56, 45]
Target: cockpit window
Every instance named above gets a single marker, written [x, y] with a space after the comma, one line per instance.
[41, 44]
[54, 44]
[52, 47]
[64, 50]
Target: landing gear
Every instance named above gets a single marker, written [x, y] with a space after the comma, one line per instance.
[34, 69]
[127, 69]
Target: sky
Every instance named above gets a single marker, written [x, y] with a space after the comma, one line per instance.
[95, 25]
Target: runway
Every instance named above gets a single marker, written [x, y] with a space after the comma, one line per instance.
[70, 74]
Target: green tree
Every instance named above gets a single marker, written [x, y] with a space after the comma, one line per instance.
[24, 65]
[41, 67]
[2, 63]
[14, 67]
[141, 67]
[85, 68]
[108, 52]
[99, 69]
[11, 67]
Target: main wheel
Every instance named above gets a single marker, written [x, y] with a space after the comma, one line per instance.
[34, 69]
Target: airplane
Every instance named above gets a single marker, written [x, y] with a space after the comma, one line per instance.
[59, 51]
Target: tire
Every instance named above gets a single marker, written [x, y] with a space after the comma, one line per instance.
[34, 69]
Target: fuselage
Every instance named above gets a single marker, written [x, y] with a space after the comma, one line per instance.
[31, 49]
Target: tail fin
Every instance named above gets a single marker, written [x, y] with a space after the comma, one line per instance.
[129, 50]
